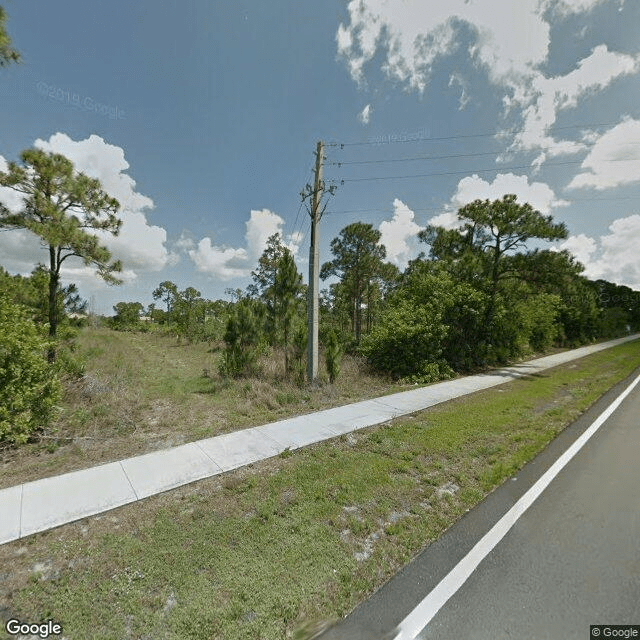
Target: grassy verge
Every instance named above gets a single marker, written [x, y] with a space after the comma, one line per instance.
[144, 392]
[306, 535]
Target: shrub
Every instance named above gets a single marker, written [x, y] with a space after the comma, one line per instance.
[29, 386]
[242, 340]
[407, 338]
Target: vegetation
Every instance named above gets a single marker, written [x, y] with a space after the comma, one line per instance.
[481, 297]
[332, 354]
[358, 262]
[29, 386]
[7, 53]
[242, 339]
[60, 206]
[258, 552]
[141, 391]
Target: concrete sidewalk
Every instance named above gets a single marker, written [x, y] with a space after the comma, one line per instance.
[43, 504]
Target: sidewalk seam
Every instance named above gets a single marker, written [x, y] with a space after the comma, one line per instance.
[128, 480]
[20, 514]
[209, 457]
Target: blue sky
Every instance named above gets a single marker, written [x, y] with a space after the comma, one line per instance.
[202, 118]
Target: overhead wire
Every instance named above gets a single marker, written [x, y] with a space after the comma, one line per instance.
[524, 167]
[294, 228]
[387, 210]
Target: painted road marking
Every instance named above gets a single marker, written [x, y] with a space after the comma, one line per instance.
[418, 619]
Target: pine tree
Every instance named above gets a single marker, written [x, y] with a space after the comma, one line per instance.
[264, 285]
[62, 207]
[287, 287]
[358, 260]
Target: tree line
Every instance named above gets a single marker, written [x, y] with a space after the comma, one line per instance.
[481, 294]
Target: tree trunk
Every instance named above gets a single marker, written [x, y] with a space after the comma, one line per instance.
[54, 281]
[286, 350]
[495, 275]
[358, 314]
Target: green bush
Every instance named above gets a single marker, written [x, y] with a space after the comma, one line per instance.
[29, 386]
[407, 338]
[242, 340]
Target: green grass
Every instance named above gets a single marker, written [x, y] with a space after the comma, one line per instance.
[145, 392]
[302, 536]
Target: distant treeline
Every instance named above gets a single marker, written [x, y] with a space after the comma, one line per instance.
[479, 296]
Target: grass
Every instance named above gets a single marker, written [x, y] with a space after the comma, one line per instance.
[144, 392]
[303, 536]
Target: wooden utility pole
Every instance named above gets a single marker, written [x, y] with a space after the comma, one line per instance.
[314, 270]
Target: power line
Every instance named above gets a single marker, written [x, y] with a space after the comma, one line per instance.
[455, 155]
[294, 227]
[441, 209]
[527, 167]
[339, 163]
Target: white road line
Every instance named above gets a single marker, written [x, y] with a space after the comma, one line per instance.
[418, 619]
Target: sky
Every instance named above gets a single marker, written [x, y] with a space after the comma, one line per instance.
[202, 120]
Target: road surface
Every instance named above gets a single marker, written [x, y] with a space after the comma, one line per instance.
[571, 560]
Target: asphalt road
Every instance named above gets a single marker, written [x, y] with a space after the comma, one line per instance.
[570, 561]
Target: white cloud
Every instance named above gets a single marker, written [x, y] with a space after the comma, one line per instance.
[185, 242]
[365, 115]
[228, 262]
[222, 262]
[399, 235]
[538, 194]
[21, 251]
[566, 7]
[581, 246]
[545, 97]
[140, 246]
[8, 197]
[613, 257]
[447, 220]
[614, 159]
[99, 159]
[509, 39]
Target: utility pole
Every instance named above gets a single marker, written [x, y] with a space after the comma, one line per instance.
[314, 270]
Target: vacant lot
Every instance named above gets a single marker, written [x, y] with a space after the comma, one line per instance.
[304, 536]
[143, 391]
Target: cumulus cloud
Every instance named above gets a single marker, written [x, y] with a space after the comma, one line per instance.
[509, 40]
[510, 37]
[399, 235]
[228, 262]
[140, 245]
[567, 7]
[614, 159]
[547, 96]
[184, 242]
[538, 194]
[613, 257]
[365, 115]
[99, 159]
[581, 246]
[8, 197]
